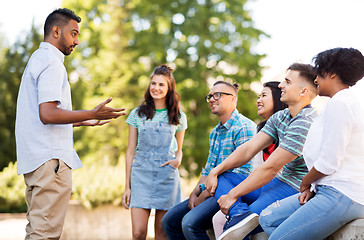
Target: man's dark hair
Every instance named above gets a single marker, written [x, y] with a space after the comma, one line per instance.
[59, 17]
[235, 86]
[305, 70]
[347, 63]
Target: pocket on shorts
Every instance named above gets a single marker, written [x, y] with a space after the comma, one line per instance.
[53, 165]
[138, 160]
[168, 165]
[169, 172]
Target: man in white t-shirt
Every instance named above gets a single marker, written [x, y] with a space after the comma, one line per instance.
[43, 128]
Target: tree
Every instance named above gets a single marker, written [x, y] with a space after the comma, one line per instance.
[204, 40]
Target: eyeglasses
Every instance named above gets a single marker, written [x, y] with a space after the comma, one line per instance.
[216, 96]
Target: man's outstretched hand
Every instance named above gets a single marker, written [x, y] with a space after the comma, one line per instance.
[102, 112]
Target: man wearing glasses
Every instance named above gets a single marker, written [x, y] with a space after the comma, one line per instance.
[191, 218]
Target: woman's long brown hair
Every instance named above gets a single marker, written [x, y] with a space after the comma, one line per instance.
[147, 108]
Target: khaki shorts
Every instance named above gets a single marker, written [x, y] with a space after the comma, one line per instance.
[48, 190]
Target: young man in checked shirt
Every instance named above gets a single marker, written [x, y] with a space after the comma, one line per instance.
[191, 218]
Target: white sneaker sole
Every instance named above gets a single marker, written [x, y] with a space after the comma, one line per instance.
[241, 229]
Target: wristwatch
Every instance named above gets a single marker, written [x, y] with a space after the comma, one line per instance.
[202, 187]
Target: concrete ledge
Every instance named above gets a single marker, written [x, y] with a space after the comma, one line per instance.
[351, 231]
[106, 222]
[112, 222]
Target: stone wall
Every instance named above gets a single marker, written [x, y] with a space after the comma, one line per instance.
[111, 222]
[106, 222]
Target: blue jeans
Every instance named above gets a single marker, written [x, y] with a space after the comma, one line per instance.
[181, 222]
[321, 216]
[255, 201]
[228, 181]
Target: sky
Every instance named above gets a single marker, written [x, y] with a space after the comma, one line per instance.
[298, 29]
[301, 29]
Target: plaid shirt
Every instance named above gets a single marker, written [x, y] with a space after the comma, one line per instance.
[225, 138]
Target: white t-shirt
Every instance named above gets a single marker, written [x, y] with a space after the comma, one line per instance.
[335, 144]
[44, 80]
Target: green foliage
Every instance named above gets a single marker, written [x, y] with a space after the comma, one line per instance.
[12, 190]
[121, 42]
[12, 65]
[103, 69]
[93, 185]
[205, 41]
[98, 183]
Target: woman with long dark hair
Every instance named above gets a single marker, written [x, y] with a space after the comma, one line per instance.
[154, 153]
[269, 103]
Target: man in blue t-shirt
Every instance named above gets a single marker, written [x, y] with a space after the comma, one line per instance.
[290, 127]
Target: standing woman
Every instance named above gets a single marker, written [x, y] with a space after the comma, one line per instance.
[332, 192]
[156, 132]
[268, 103]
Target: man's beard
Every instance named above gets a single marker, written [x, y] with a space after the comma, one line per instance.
[66, 50]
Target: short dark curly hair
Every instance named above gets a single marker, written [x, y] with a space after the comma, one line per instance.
[347, 63]
[60, 17]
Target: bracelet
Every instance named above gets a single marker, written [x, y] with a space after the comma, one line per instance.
[202, 187]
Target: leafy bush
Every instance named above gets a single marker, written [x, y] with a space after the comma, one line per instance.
[95, 184]
[12, 190]
[98, 183]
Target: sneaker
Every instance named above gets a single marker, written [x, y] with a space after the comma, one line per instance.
[239, 226]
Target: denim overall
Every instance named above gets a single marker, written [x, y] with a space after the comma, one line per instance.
[153, 186]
